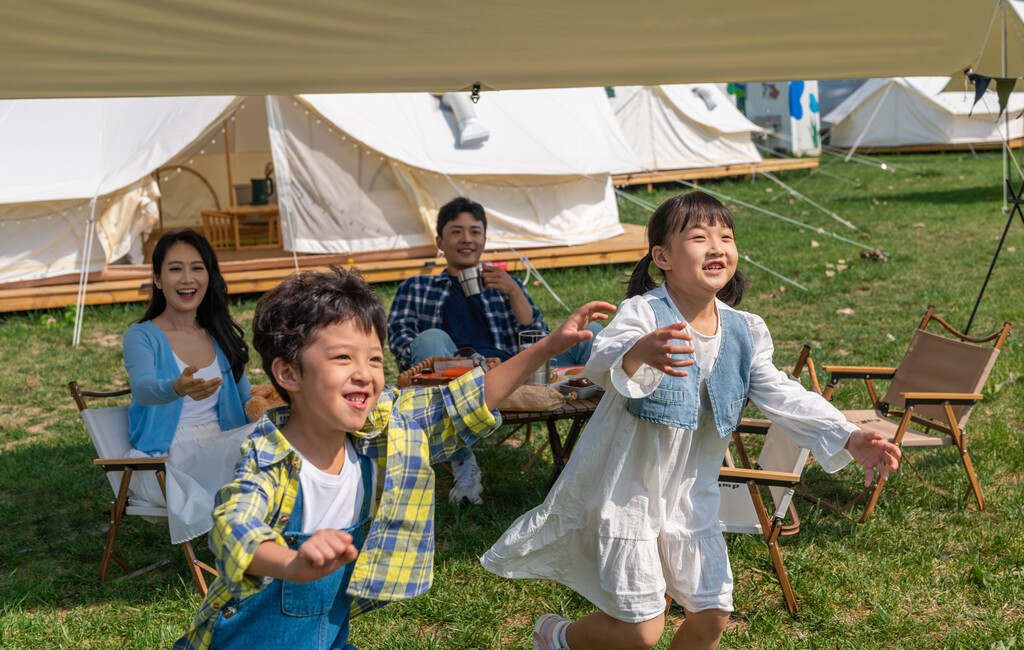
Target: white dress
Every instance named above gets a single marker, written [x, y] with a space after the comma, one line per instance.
[634, 515]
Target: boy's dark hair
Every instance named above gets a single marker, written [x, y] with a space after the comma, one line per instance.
[672, 216]
[212, 313]
[289, 316]
[451, 210]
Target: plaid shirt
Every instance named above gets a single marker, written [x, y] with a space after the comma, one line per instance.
[397, 559]
[419, 306]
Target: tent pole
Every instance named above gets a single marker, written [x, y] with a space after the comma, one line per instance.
[227, 159]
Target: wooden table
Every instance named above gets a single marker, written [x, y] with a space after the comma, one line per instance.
[221, 226]
[578, 410]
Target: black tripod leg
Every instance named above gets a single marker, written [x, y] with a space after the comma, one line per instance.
[1016, 201]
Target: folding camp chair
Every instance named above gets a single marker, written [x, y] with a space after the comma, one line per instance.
[935, 387]
[108, 429]
[781, 461]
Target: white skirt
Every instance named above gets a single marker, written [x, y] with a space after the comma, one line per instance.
[201, 460]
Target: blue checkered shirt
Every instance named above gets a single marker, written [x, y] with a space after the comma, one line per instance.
[406, 432]
[419, 306]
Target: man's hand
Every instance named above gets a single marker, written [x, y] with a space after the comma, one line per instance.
[321, 555]
[495, 277]
[655, 350]
[874, 453]
[197, 389]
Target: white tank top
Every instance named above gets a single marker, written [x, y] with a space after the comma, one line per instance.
[205, 410]
[331, 500]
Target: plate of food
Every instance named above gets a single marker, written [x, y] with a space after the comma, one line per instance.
[581, 386]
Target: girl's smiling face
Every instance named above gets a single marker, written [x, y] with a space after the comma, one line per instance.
[698, 261]
[183, 277]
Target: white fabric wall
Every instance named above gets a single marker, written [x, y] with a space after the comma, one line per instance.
[672, 127]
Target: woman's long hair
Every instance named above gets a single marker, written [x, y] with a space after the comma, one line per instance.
[675, 215]
[212, 315]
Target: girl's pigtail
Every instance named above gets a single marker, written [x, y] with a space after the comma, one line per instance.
[640, 281]
[732, 292]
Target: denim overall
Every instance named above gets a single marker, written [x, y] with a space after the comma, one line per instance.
[292, 615]
[676, 400]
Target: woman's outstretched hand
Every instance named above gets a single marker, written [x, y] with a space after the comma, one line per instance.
[574, 329]
[197, 389]
[656, 350]
[874, 453]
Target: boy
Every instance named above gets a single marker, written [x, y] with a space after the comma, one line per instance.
[287, 529]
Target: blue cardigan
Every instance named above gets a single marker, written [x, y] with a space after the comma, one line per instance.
[155, 408]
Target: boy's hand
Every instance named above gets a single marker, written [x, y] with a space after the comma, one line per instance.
[655, 350]
[197, 389]
[873, 452]
[574, 329]
[321, 555]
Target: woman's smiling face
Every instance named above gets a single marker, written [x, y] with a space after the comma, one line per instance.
[183, 277]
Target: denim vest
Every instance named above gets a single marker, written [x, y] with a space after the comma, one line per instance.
[676, 400]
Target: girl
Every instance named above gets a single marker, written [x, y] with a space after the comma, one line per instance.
[634, 516]
[186, 361]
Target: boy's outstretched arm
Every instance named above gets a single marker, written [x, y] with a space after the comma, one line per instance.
[321, 555]
[873, 452]
[509, 375]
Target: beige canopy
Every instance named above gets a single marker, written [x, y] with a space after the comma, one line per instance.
[75, 48]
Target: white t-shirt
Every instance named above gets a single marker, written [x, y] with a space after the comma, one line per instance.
[331, 500]
[204, 410]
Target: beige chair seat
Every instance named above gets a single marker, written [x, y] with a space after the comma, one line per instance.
[871, 420]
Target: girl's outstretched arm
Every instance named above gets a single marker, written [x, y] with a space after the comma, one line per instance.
[509, 375]
[655, 350]
[874, 453]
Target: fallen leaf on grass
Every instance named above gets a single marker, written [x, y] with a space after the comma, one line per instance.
[841, 267]
[845, 311]
[919, 224]
[1011, 249]
[890, 337]
[830, 273]
[829, 265]
[814, 244]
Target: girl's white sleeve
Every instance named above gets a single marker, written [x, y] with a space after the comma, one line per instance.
[633, 319]
[806, 417]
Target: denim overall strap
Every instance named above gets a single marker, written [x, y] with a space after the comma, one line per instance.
[288, 615]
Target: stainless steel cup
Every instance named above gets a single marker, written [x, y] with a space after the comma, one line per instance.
[541, 375]
[471, 280]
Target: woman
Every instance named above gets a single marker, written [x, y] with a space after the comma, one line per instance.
[186, 362]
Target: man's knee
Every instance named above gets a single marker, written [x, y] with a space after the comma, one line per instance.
[431, 343]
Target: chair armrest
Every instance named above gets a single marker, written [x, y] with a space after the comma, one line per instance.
[758, 476]
[860, 372]
[751, 425]
[941, 398]
[118, 464]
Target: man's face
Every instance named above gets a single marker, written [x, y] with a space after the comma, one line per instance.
[462, 241]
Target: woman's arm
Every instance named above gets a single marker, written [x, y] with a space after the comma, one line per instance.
[140, 360]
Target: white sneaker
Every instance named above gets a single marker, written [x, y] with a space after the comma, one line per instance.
[466, 489]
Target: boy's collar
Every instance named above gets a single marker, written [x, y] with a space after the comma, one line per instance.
[271, 445]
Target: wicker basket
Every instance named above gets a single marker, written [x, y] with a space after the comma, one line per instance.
[410, 377]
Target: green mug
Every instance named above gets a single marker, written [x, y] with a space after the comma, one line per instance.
[262, 188]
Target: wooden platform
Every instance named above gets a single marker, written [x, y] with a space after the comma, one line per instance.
[1015, 143]
[669, 175]
[131, 283]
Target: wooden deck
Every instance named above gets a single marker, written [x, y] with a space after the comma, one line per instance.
[1015, 143]
[131, 283]
[669, 175]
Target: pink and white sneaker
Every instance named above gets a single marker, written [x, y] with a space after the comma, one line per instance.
[548, 633]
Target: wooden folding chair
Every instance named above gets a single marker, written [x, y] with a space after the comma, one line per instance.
[935, 387]
[108, 429]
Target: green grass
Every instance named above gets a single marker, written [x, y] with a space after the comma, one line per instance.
[923, 572]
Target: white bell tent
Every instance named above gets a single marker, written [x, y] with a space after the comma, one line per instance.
[355, 173]
[919, 112]
[683, 127]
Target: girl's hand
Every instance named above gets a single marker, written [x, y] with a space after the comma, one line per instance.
[655, 350]
[873, 452]
[574, 329]
[321, 555]
[197, 389]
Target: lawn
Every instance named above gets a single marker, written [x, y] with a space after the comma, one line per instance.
[923, 572]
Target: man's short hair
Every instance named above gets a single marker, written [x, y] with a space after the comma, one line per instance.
[289, 316]
[451, 210]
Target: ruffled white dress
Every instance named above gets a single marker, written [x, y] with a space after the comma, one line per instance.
[634, 515]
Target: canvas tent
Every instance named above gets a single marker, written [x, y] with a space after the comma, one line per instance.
[917, 111]
[355, 173]
[683, 127]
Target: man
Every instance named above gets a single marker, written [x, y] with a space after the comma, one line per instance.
[432, 317]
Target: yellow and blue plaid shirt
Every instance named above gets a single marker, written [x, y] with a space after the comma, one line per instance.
[404, 433]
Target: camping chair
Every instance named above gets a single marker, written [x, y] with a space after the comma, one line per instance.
[779, 466]
[108, 429]
[935, 387]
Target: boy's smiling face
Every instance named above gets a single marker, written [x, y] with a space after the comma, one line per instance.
[341, 378]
